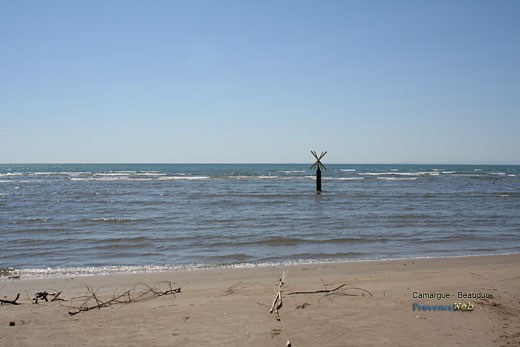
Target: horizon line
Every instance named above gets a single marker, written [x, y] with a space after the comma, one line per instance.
[262, 163]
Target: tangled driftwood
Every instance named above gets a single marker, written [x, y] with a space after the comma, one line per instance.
[45, 296]
[92, 300]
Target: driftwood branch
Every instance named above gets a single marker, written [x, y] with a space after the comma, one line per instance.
[12, 302]
[333, 291]
[277, 302]
[128, 296]
[319, 291]
[363, 290]
[45, 296]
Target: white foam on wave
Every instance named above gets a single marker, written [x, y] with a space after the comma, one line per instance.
[78, 173]
[266, 177]
[375, 173]
[419, 173]
[107, 178]
[397, 178]
[347, 170]
[151, 173]
[111, 174]
[67, 173]
[344, 178]
[67, 272]
[26, 181]
[129, 178]
[292, 171]
[113, 220]
[44, 173]
[164, 178]
[50, 272]
[10, 174]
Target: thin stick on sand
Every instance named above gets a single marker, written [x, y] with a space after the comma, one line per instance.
[331, 291]
[277, 302]
[319, 291]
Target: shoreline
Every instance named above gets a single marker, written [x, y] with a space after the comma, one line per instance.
[219, 306]
[10, 273]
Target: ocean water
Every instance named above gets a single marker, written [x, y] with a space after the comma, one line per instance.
[67, 219]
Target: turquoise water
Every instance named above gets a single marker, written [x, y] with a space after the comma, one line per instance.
[123, 217]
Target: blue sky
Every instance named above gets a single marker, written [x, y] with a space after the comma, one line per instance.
[260, 81]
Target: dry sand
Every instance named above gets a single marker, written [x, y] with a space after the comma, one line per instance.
[231, 307]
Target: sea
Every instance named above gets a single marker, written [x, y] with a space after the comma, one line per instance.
[83, 219]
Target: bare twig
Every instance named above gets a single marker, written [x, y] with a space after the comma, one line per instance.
[45, 296]
[363, 290]
[40, 295]
[56, 296]
[333, 291]
[12, 302]
[277, 302]
[319, 291]
[274, 303]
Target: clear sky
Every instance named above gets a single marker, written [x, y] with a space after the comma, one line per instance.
[259, 81]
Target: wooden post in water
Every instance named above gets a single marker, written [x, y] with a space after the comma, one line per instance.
[318, 165]
[318, 179]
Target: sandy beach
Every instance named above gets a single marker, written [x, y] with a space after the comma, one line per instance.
[377, 303]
